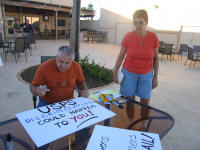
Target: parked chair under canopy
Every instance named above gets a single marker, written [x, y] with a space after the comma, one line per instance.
[183, 48]
[168, 50]
[18, 49]
[32, 40]
[3, 45]
[193, 57]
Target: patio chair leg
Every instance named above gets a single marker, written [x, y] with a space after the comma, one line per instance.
[194, 63]
[185, 62]
[18, 54]
[5, 56]
[25, 55]
[15, 58]
[30, 52]
[190, 64]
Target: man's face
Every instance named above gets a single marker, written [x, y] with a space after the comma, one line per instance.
[63, 62]
[27, 21]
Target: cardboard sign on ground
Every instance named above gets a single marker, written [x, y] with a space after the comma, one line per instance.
[109, 138]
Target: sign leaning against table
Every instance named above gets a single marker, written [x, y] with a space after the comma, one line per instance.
[51, 122]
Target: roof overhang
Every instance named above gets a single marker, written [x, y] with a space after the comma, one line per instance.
[40, 5]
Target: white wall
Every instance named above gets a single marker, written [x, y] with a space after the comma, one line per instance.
[90, 24]
[117, 26]
[122, 30]
[168, 38]
[110, 22]
[190, 38]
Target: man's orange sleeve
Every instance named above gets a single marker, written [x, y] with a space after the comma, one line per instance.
[39, 78]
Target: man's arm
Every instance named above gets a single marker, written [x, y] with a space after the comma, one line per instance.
[33, 89]
[37, 90]
[83, 89]
[38, 81]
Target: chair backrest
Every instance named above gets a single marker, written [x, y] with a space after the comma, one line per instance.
[45, 58]
[168, 48]
[27, 40]
[196, 48]
[19, 44]
[1, 40]
[183, 48]
[32, 38]
[162, 44]
[190, 53]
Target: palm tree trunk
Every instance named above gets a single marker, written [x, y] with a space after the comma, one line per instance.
[75, 28]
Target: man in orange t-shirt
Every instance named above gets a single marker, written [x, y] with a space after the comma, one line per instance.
[55, 79]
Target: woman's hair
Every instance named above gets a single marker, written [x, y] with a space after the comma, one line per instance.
[141, 13]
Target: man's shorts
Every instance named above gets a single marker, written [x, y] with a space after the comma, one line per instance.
[136, 84]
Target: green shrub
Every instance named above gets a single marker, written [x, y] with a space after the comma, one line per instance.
[95, 70]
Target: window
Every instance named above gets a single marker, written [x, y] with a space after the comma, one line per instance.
[61, 22]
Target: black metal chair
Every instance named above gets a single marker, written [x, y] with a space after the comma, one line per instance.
[53, 34]
[192, 57]
[85, 37]
[183, 47]
[32, 40]
[3, 45]
[18, 49]
[168, 50]
[196, 48]
[27, 40]
[161, 48]
[43, 59]
[61, 34]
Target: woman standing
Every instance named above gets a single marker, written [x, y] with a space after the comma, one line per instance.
[139, 51]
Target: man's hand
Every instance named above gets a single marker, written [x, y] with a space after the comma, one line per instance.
[41, 91]
[84, 93]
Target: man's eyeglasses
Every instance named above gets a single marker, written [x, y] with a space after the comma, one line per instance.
[138, 22]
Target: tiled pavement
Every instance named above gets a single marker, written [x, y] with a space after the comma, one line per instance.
[178, 92]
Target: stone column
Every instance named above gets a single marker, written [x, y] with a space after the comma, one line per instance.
[56, 24]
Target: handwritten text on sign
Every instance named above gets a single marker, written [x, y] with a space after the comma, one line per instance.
[109, 138]
[51, 122]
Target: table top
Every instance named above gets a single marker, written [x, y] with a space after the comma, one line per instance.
[128, 117]
[10, 41]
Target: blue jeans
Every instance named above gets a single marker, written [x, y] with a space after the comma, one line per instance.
[136, 84]
[42, 103]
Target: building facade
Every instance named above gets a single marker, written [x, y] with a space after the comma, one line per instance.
[44, 15]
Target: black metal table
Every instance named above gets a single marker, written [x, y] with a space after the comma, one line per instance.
[128, 117]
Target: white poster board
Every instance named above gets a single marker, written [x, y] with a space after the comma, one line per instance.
[109, 138]
[51, 122]
[1, 62]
